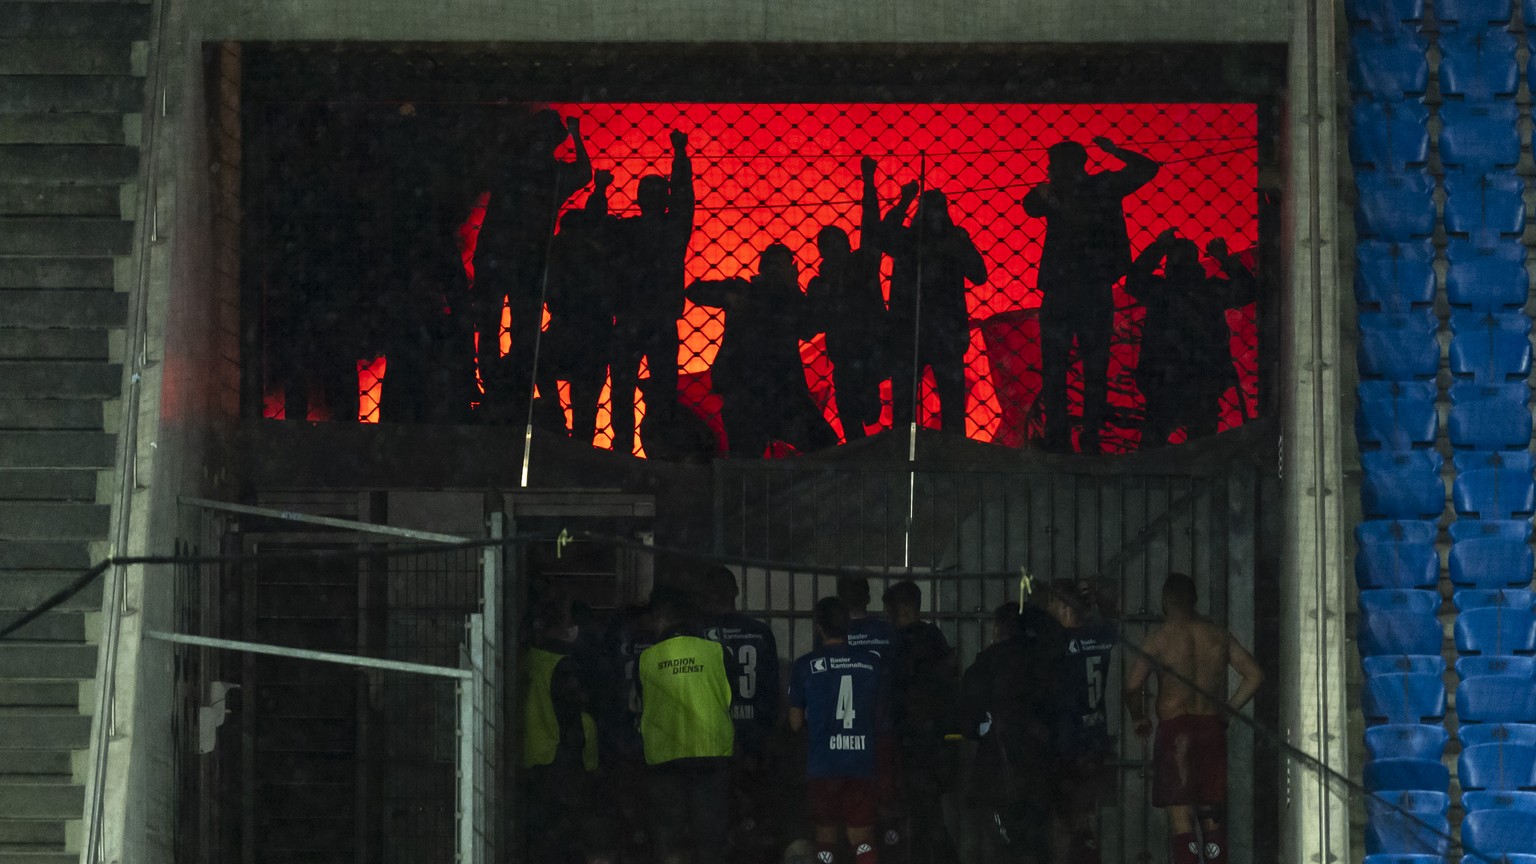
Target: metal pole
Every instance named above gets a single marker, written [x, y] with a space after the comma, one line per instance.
[306, 654]
[328, 521]
[538, 329]
[917, 372]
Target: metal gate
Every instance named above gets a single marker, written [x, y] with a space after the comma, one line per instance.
[358, 684]
[1124, 527]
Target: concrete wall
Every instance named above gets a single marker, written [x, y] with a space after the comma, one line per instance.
[1023, 21]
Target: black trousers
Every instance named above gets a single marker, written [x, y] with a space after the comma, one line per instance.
[1066, 315]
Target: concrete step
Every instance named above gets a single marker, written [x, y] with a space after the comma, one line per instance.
[18, 853]
[56, 449]
[71, 558]
[66, 57]
[37, 832]
[43, 729]
[63, 697]
[84, 309]
[36, 661]
[62, 380]
[64, 414]
[33, 344]
[58, 199]
[43, 94]
[33, 20]
[61, 274]
[48, 484]
[65, 235]
[33, 520]
[45, 128]
[52, 626]
[24, 589]
[39, 800]
[68, 163]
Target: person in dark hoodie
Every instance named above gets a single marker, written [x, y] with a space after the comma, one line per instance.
[1009, 705]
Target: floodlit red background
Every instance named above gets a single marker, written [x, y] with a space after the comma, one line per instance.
[768, 173]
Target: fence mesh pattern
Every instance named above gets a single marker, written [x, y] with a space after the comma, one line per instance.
[779, 173]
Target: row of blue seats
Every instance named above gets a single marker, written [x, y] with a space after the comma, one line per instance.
[1401, 621]
[1486, 349]
[1486, 207]
[1475, 66]
[1397, 15]
[1402, 415]
[1400, 276]
[1488, 560]
[1408, 486]
[1412, 825]
[1393, 137]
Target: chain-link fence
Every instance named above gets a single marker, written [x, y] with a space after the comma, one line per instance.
[781, 173]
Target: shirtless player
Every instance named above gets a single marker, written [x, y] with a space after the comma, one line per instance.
[1189, 755]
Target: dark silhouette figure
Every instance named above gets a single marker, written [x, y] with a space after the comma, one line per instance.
[1086, 251]
[582, 296]
[1186, 356]
[654, 245]
[933, 259]
[845, 298]
[758, 372]
[512, 252]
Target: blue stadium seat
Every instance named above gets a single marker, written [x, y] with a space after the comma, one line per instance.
[1396, 415]
[1496, 699]
[1473, 734]
[1491, 833]
[1489, 424]
[1401, 600]
[1398, 206]
[1481, 206]
[1391, 858]
[1486, 280]
[1487, 355]
[1497, 767]
[1392, 830]
[1528, 7]
[1495, 493]
[1466, 322]
[1496, 630]
[1480, 665]
[1385, 16]
[1411, 531]
[1387, 66]
[1402, 698]
[1402, 485]
[1399, 621]
[1395, 277]
[1491, 562]
[1474, 529]
[1478, 598]
[1398, 346]
[1515, 858]
[1385, 775]
[1469, 14]
[1389, 136]
[1511, 391]
[1396, 564]
[1476, 460]
[1479, 137]
[1407, 664]
[1406, 741]
[1479, 65]
[1523, 802]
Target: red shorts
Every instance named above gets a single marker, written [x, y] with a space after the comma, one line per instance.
[1189, 761]
[848, 801]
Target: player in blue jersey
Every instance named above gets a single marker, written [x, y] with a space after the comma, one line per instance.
[623, 787]
[833, 694]
[755, 700]
[864, 630]
[1083, 743]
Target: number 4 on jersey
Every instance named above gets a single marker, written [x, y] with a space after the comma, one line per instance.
[845, 710]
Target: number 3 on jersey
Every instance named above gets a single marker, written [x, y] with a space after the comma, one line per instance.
[845, 710]
[746, 655]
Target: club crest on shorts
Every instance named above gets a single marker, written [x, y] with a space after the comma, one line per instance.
[824, 857]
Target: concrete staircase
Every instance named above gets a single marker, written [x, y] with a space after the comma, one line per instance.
[71, 89]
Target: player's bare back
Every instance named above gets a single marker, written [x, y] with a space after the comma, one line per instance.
[1195, 652]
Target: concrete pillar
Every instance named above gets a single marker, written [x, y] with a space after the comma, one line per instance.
[1314, 698]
